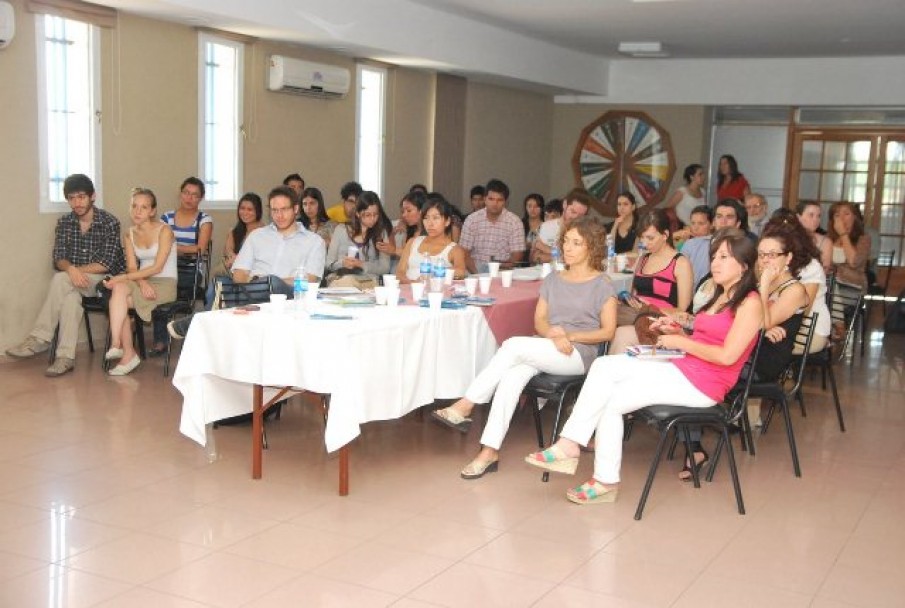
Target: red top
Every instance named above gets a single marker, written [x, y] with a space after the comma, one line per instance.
[713, 379]
[733, 189]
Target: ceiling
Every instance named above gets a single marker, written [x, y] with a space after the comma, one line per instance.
[473, 37]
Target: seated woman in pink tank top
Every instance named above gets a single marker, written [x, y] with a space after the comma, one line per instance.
[724, 335]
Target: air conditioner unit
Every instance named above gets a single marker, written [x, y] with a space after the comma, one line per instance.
[306, 78]
[7, 24]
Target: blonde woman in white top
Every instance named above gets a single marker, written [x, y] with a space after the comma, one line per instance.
[149, 280]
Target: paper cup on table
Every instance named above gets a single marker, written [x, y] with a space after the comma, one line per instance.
[620, 262]
[417, 292]
[471, 285]
[390, 280]
[545, 269]
[392, 297]
[448, 277]
[277, 302]
[494, 268]
[380, 295]
[506, 278]
[435, 300]
[484, 283]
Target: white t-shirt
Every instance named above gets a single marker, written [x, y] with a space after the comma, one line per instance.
[548, 233]
[810, 274]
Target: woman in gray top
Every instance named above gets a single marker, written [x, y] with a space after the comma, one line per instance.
[575, 313]
[368, 226]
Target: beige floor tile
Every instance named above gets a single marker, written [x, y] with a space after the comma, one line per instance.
[136, 558]
[148, 598]
[12, 565]
[224, 580]
[532, 557]
[631, 577]
[57, 586]
[347, 515]
[470, 585]
[212, 527]
[294, 546]
[136, 510]
[310, 590]
[711, 591]
[564, 595]
[384, 568]
[863, 586]
[437, 536]
[57, 537]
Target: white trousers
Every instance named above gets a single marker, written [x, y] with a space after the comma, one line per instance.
[518, 360]
[63, 305]
[617, 385]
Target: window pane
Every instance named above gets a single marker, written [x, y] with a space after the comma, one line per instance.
[809, 186]
[855, 189]
[834, 155]
[811, 152]
[68, 102]
[831, 187]
[220, 122]
[894, 188]
[891, 219]
[895, 156]
[370, 128]
[858, 156]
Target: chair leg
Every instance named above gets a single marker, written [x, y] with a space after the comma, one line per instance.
[769, 417]
[52, 351]
[746, 434]
[88, 330]
[655, 463]
[538, 425]
[108, 340]
[627, 428]
[689, 455]
[784, 404]
[733, 471]
[799, 395]
[836, 398]
[671, 453]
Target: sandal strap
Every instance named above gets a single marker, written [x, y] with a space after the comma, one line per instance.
[452, 415]
[551, 454]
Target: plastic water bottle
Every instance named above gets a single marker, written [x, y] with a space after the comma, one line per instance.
[555, 257]
[610, 253]
[438, 269]
[425, 271]
[299, 287]
[642, 248]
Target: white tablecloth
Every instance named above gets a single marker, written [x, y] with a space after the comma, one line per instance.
[379, 366]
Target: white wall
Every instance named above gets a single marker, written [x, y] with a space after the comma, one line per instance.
[824, 81]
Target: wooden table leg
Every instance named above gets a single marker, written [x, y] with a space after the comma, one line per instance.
[344, 470]
[257, 435]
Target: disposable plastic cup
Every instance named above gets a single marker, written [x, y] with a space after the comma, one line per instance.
[484, 283]
[435, 300]
[380, 295]
[277, 302]
[494, 268]
[392, 297]
[390, 280]
[471, 285]
[417, 292]
[506, 278]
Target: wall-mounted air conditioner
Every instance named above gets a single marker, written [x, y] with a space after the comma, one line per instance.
[289, 75]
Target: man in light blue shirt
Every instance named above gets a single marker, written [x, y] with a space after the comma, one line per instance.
[278, 249]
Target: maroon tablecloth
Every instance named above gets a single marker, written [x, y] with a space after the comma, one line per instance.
[513, 312]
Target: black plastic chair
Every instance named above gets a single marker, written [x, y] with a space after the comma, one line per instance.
[191, 288]
[256, 291]
[555, 389]
[876, 290]
[779, 392]
[90, 304]
[667, 418]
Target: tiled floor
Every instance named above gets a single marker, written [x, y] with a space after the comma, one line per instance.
[104, 503]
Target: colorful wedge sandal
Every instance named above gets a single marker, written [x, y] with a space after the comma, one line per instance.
[592, 492]
[552, 459]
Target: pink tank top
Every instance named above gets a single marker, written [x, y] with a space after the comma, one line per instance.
[713, 379]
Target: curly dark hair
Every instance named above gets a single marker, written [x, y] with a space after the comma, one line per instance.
[785, 228]
[593, 233]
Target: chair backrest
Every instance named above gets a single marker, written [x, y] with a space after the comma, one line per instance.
[802, 341]
[256, 291]
[737, 398]
[885, 260]
[193, 272]
[845, 305]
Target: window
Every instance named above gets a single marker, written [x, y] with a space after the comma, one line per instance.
[220, 69]
[369, 148]
[68, 106]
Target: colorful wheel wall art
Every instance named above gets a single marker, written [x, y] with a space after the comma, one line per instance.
[624, 151]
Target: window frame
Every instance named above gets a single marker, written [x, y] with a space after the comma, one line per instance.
[359, 70]
[205, 38]
[94, 171]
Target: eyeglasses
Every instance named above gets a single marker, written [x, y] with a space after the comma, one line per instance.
[191, 193]
[279, 210]
[770, 255]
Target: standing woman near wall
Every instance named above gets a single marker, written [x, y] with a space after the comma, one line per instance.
[689, 196]
[730, 183]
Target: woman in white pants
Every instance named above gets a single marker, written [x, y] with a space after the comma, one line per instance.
[576, 312]
[724, 335]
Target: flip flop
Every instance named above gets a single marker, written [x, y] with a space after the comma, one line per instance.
[451, 418]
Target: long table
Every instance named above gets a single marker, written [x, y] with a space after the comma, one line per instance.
[380, 365]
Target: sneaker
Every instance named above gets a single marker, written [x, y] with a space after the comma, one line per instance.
[61, 366]
[125, 368]
[29, 348]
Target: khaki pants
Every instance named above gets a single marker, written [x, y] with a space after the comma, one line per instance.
[63, 306]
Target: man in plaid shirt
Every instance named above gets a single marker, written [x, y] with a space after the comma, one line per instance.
[87, 246]
[493, 234]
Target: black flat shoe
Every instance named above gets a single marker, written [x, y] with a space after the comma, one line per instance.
[685, 473]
